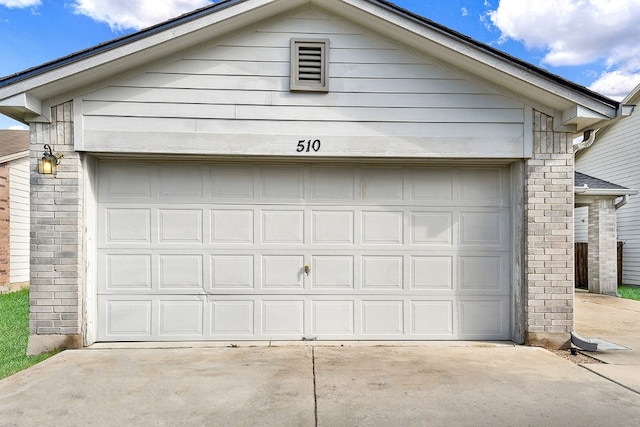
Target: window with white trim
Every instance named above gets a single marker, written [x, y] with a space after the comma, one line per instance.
[310, 65]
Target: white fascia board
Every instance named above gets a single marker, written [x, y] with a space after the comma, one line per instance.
[21, 105]
[584, 118]
[626, 109]
[14, 156]
[578, 113]
[591, 192]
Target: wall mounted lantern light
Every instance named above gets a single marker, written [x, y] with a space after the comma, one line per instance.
[48, 164]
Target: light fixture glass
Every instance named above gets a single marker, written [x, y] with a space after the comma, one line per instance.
[48, 164]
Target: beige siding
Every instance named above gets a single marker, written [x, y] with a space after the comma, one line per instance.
[238, 90]
[615, 157]
[581, 233]
[19, 212]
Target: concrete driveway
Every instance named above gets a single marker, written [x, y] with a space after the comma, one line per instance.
[328, 384]
[303, 385]
[617, 321]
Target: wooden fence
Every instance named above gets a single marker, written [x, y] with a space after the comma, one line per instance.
[582, 263]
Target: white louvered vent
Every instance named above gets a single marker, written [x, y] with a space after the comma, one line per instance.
[309, 65]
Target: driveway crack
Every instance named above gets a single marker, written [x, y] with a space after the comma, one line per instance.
[315, 390]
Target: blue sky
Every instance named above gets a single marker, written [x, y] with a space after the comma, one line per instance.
[595, 43]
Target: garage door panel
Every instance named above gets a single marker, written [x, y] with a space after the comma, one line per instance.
[332, 227]
[282, 318]
[230, 184]
[126, 319]
[484, 273]
[282, 226]
[378, 184]
[232, 226]
[333, 318]
[432, 273]
[282, 183]
[330, 272]
[382, 272]
[484, 229]
[282, 272]
[181, 272]
[125, 181]
[126, 226]
[181, 318]
[181, 182]
[382, 318]
[432, 228]
[180, 226]
[482, 186]
[231, 318]
[332, 184]
[483, 318]
[432, 318]
[432, 186]
[235, 272]
[121, 273]
[218, 252]
[382, 228]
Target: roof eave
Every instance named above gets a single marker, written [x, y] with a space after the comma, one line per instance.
[14, 156]
[616, 192]
[579, 108]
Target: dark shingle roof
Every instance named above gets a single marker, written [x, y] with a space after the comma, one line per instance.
[13, 142]
[594, 183]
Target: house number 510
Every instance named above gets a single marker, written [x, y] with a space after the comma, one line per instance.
[307, 145]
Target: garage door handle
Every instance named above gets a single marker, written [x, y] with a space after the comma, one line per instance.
[307, 269]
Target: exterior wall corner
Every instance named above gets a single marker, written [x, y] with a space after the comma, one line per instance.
[56, 246]
[548, 237]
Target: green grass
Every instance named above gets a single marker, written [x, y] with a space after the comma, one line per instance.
[14, 334]
[629, 292]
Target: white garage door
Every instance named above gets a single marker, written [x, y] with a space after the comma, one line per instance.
[218, 252]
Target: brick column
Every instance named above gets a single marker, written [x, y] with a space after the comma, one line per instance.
[55, 319]
[5, 233]
[603, 262]
[549, 236]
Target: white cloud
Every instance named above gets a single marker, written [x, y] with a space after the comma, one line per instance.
[616, 84]
[464, 11]
[18, 127]
[20, 3]
[134, 14]
[578, 32]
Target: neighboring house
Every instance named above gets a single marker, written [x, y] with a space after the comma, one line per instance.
[14, 209]
[597, 202]
[286, 170]
[612, 154]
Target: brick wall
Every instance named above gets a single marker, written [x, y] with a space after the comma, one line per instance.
[56, 238]
[549, 236]
[603, 260]
[5, 260]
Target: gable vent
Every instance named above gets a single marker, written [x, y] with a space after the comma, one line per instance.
[309, 65]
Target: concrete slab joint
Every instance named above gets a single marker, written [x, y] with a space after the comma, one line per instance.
[55, 317]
